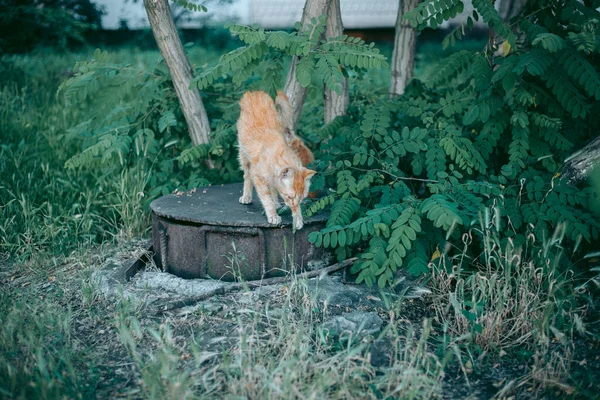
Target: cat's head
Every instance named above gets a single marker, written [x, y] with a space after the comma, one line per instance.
[293, 185]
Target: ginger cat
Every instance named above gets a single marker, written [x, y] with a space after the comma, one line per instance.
[286, 115]
[267, 160]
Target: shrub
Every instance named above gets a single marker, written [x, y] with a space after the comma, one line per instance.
[411, 177]
[26, 24]
[132, 114]
[407, 178]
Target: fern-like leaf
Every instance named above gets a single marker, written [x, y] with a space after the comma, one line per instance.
[404, 233]
[566, 93]
[342, 211]
[248, 34]
[451, 67]
[582, 72]
[490, 15]
[549, 41]
[441, 211]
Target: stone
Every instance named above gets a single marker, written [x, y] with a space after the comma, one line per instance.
[330, 290]
[381, 352]
[107, 280]
[355, 323]
[155, 281]
[211, 308]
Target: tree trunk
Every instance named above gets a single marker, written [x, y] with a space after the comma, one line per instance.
[510, 8]
[579, 165]
[295, 92]
[171, 49]
[335, 104]
[403, 58]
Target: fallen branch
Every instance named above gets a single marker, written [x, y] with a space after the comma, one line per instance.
[234, 287]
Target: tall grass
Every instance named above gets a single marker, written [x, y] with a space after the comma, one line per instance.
[289, 355]
[515, 298]
[43, 206]
[70, 342]
[39, 356]
[520, 300]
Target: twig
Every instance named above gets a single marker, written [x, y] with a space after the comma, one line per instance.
[253, 284]
[396, 177]
[408, 178]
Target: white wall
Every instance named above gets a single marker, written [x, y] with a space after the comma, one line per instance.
[136, 17]
[267, 13]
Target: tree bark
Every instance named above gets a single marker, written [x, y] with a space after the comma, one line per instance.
[335, 104]
[579, 165]
[171, 49]
[510, 8]
[403, 57]
[295, 92]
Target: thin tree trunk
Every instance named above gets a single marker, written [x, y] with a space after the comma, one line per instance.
[510, 8]
[295, 92]
[507, 9]
[171, 49]
[335, 104]
[403, 58]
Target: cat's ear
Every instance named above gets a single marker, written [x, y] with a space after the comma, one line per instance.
[308, 173]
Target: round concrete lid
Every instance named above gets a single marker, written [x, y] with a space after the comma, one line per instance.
[219, 205]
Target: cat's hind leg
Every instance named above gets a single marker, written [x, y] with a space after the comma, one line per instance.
[275, 197]
[247, 193]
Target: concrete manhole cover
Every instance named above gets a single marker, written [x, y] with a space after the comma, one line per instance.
[207, 233]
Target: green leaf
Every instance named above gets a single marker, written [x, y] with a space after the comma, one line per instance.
[166, 119]
[472, 115]
[549, 41]
[304, 72]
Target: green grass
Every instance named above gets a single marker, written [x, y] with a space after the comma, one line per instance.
[60, 338]
[520, 310]
[43, 205]
[78, 348]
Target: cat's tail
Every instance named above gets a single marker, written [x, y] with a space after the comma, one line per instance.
[284, 108]
[286, 115]
[306, 156]
[258, 112]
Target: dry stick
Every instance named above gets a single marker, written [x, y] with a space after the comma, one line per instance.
[253, 284]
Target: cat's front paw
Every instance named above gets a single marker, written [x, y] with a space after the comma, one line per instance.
[274, 219]
[299, 223]
[246, 199]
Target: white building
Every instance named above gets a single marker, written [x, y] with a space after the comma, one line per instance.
[355, 13]
[271, 14]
